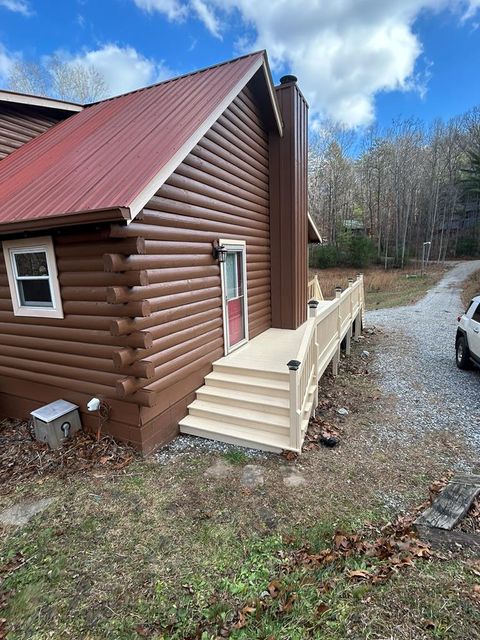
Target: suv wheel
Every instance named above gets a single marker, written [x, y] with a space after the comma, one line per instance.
[463, 354]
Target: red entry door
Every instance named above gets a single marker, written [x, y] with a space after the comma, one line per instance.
[235, 299]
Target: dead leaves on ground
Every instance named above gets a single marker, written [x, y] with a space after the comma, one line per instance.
[321, 431]
[23, 458]
[471, 522]
[394, 549]
[9, 567]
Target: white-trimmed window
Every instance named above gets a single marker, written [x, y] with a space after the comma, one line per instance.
[32, 277]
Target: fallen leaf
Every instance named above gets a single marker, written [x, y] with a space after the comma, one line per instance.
[189, 588]
[273, 588]
[142, 631]
[287, 607]
[361, 574]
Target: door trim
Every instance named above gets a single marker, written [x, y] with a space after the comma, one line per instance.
[239, 246]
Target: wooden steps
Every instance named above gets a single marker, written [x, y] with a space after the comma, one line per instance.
[221, 395]
[246, 398]
[242, 406]
[247, 383]
[233, 434]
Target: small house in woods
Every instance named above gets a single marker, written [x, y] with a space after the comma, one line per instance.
[154, 255]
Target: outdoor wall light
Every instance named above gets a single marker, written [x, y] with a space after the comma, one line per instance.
[219, 252]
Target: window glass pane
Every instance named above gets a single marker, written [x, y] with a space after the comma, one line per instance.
[239, 257]
[35, 293]
[476, 314]
[232, 275]
[31, 263]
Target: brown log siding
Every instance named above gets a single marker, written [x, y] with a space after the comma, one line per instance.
[142, 302]
[20, 123]
[43, 359]
[221, 190]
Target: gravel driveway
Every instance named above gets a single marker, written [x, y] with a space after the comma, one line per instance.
[416, 364]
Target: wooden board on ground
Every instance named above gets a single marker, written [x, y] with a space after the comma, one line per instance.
[452, 503]
[451, 540]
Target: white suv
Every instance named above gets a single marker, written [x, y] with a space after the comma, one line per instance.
[468, 336]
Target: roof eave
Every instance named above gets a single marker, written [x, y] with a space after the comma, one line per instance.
[272, 93]
[73, 218]
[313, 232]
[38, 101]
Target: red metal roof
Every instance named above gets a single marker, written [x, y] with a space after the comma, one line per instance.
[105, 156]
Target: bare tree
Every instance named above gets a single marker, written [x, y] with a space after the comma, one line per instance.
[408, 185]
[56, 78]
[29, 77]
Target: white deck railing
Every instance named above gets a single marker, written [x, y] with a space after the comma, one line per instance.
[329, 323]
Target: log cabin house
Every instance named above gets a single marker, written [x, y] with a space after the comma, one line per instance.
[154, 254]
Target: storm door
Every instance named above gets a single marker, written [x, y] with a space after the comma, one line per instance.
[234, 291]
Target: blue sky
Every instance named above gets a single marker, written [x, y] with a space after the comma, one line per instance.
[358, 61]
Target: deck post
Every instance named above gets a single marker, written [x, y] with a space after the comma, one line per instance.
[335, 362]
[312, 308]
[338, 294]
[348, 341]
[336, 357]
[350, 287]
[317, 356]
[295, 417]
[361, 301]
[358, 323]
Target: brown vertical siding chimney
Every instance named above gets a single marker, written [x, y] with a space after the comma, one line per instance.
[288, 209]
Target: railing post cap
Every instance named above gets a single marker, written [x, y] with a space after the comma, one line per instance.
[313, 304]
[293, 365]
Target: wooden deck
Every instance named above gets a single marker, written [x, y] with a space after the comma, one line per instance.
[255, 399]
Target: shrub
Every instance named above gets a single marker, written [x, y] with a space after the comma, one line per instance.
[352, 251]
[468, 246]
[361, 252]
[323, 256]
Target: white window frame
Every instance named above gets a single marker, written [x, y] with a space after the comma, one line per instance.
[10, 247]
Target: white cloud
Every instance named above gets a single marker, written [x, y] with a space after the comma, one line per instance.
[471, 9]
[177, 11]
[123, 68]
[18, 6]
[6, 63]
[173, 9]
[207, 16]
[344, 52]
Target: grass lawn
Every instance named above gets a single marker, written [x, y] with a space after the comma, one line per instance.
[391, 288]
[471, 288]
[176, 547]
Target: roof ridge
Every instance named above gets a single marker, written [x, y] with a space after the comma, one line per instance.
[181, 76]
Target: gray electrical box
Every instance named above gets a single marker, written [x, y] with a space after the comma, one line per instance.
[55, 422]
